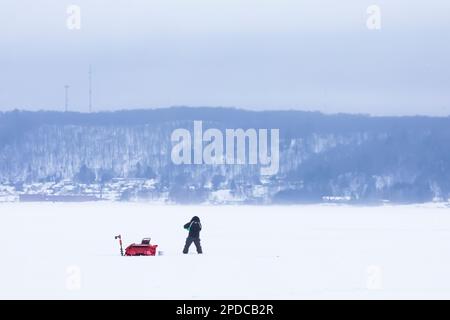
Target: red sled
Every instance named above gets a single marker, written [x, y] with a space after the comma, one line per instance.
[142, 249]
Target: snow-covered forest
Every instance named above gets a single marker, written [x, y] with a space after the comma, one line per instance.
[125, 155]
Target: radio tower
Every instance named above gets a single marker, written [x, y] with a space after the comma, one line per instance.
[66, 97]
[90, 89]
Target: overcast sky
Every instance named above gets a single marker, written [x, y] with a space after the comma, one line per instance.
[254, 54]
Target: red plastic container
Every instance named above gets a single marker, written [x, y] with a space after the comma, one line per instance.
[143, 249]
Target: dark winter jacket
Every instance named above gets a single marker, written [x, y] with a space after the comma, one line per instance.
[194, 227]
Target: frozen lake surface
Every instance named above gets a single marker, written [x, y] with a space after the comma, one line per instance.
[68, 251]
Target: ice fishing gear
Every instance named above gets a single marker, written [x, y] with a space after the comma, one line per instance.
[142, 249]
[145, 248]
[120, 242]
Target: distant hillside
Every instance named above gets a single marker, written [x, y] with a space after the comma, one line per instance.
[353, 157]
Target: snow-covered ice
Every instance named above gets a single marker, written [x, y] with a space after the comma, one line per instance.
[68, 251]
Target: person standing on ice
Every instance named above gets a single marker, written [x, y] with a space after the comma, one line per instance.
[194, 227]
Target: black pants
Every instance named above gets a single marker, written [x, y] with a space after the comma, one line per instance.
[189, 241]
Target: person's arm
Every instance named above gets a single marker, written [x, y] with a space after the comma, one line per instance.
[186, 226]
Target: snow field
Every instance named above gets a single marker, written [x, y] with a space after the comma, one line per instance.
[68, 251]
